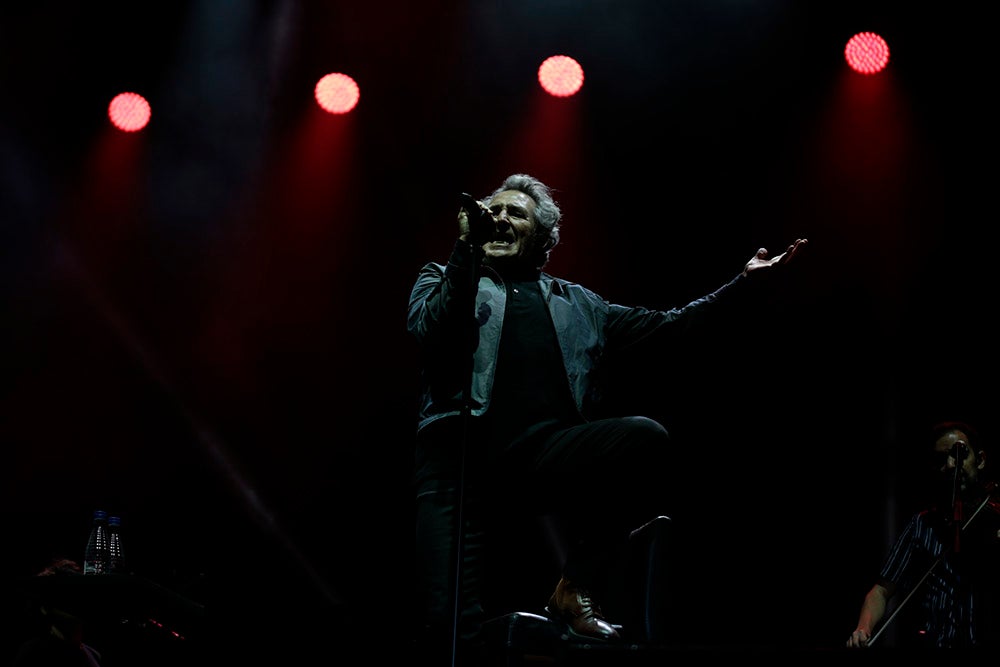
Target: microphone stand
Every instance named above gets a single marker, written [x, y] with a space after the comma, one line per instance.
[956, 494]
[466, 417]
[937, 561]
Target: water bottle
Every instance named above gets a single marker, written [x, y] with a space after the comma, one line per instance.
[95, 556]
[116, 558]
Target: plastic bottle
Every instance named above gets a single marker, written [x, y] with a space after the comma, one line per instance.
[95, 556]
[116, 557]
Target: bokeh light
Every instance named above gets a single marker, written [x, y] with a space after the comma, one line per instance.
[867, 53]
[560, 76]
[129, 112]
[337, 93]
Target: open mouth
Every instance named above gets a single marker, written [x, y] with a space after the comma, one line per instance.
[502, 241]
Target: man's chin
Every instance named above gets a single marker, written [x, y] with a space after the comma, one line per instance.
[503, 260]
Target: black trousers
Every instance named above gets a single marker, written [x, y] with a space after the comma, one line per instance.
[599, 479]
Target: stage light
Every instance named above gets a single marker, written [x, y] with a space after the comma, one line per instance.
[867, 53]
[560, 76]
[337, 93]
[129, 112]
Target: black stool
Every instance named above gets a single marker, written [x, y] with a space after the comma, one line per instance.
[639, 597]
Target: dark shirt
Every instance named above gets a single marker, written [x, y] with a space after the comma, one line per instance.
[525, 403]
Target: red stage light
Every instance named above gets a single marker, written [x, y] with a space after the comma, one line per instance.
[560, 76]
[129, 112]
[867, 53]
[337, 93]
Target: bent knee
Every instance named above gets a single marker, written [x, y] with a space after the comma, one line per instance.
[647, 427]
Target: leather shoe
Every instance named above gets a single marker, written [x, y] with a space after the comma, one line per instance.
[574, 606]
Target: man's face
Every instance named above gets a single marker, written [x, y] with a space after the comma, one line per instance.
[513, 242]
[945, 448]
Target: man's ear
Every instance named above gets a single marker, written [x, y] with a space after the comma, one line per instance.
[982, 459]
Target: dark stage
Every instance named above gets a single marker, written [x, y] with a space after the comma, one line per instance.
[204, 323]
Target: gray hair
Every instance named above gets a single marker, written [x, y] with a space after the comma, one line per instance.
[547, 212]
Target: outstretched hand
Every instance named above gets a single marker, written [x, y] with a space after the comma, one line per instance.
[760, 260]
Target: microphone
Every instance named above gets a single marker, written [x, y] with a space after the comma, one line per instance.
[958, 453]
[472, 206]
[480, 219]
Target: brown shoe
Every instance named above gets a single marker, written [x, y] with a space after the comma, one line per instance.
[576, 608]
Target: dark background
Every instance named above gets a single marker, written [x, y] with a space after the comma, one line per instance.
[203, 324]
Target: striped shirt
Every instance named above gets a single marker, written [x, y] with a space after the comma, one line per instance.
[949, 574]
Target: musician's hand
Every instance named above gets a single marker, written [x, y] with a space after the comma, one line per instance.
[475, 222]
[858, 639]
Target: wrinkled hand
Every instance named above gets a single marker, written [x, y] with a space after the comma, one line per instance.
[858, 639]
[474, 222]
[464, 230]
[761, 261]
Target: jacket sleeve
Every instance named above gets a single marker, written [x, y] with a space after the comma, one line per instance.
[437, 297]
[631, 325]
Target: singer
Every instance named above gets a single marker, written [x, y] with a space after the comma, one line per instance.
[508, 412]
[944, 565]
